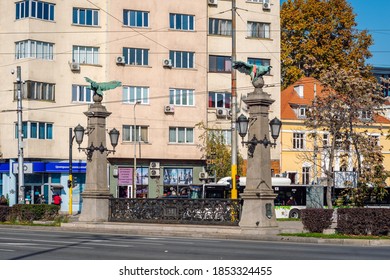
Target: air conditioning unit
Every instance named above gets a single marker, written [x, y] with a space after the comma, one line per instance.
[167, 63]
[120, 60]
[154, 172]
[266, 5]
[75, 66]
[229, 113]
[221, 113]
[213, 2]
[154, 165]
[203, 175]
[169, 109]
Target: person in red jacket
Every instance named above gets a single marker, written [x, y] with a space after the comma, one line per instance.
[57, 200]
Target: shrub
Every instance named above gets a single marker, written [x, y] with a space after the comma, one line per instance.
[31, 212]
[363, 221]
[316, 220]
[4, 213]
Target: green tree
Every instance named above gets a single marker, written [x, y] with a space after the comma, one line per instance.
[316, 34]
[348, 105]
[213, 147]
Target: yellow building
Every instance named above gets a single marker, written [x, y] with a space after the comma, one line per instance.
[297, 155]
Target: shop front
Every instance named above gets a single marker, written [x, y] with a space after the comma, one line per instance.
[42, 180]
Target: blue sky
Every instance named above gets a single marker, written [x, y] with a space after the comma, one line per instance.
[373, 16]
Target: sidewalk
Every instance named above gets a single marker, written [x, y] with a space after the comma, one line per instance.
[216, 232]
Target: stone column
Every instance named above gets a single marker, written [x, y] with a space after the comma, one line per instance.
[96, 194]
[258, 213]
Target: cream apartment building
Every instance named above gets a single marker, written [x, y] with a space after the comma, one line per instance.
[166, 57]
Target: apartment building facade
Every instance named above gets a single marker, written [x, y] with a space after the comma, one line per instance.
[167, 57]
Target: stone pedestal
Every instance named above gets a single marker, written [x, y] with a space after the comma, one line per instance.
[258, 213]
[96, 193]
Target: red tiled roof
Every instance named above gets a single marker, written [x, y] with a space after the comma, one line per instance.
[290, 98]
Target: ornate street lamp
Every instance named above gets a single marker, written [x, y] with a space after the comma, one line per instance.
[79, 132]
[243, 124]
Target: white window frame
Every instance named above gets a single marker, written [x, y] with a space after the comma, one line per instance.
[95, 14]
[132, 94]
[181, 135]
[259, 30]
[175, 18]
[182, 59]
[34, 49]
[136, 56]
[181, 97]
[32, 10]
[298, 140]
[82, 94]
[224, 95]
[220, 27]
[141, 133]
[133, 14]
[85, 55]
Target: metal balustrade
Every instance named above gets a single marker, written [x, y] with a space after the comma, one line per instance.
[175, 210]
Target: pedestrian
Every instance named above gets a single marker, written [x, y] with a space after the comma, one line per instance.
[57, 200]
[3, 201]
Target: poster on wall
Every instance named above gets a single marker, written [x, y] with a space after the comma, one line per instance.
[142, 176]
[178, 176]
[125, 176]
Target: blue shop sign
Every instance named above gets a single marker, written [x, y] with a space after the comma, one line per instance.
[63, 167]
[4, 167]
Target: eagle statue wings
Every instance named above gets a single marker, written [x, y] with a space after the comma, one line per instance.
[98, 88]
[253, 70]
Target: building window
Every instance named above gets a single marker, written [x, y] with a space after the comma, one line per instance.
[182, 59]
[85, 55]
[260, 62]
[88, 17]
[301, 112]
[298, 141]
[131, 94]
[175, 177]
[32, 90]
[135, 56]
[35, 130]
[134, 18]
[325, 140]
[34, 49]
[181, 22]
[220, 27]
[374, 140]
[181, 97]
[81, 94]
[220, 99]
[258, 30]
[181, 135]
[305, 175]
[220, 63]
[35, 9]
[139, 135]
[224, 134]
[365, 115]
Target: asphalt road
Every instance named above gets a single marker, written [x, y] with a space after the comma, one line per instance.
[30, 244]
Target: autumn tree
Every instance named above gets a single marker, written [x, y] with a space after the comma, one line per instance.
[347, 107]
[316, 34]
[214, 148]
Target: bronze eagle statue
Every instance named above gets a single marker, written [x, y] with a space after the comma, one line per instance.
[253, 70]
[98, 88]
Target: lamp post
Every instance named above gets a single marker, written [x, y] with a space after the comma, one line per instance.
[70, 179]
[135, 137]
[96, 193]
[258, 212]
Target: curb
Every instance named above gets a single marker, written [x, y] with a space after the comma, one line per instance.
[215, 232]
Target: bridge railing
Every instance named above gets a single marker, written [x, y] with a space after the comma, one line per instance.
[175, 210]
